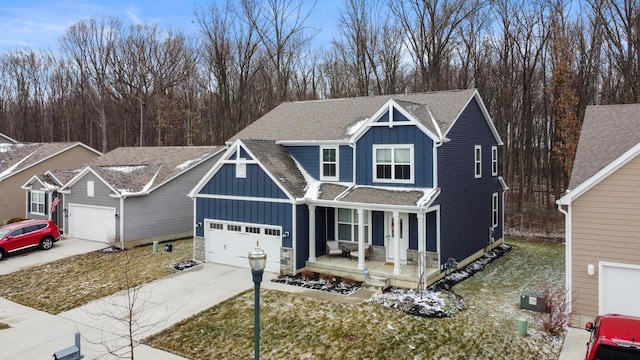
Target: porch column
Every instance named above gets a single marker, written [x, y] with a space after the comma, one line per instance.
[360, 239]
[312, 232]
[422, 256]
[396, 243]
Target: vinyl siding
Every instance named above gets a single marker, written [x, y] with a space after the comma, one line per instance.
[404, 134]
[465, 201]
[605, 227]
[12, 197]
[166, 211]
[309, 159]
[256, 184]
[101, 196]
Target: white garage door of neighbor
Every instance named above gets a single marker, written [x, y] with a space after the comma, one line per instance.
[619, 289]
[230, 243]
[92, 222]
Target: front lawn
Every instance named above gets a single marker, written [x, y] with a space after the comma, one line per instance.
[69, 283]
[295, 326]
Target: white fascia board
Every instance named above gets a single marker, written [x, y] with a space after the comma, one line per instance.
[82, 174]
[311, 142]
[273, 178]
[228, 152]
[189, 168]
[28, 184]
[600, 175]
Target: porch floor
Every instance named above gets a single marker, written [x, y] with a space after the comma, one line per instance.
[342, 266]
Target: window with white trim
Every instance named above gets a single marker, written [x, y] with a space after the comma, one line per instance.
[237, 228]
[347, 225]
[494, 161]
[393, 163]
[37, 202]
[494, 210]
[477, 163]
[216, 226]
[329, 163]
[273, 232]
[252, 229]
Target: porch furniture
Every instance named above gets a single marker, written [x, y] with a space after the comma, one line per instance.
[354, 252]
[346, 252]
[333, 248]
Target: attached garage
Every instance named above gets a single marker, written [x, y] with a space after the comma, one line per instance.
[92, 222]
[619, 289]
[230, 243]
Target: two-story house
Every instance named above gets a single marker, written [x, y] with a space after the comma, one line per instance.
[407, 180]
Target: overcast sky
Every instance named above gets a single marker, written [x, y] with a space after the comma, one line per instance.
[39, 24]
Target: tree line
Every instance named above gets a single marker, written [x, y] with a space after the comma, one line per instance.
[537, 64]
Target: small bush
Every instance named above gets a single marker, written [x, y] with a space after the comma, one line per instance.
[309, 275]
[327, 277]
[349, 280]
[555, 320]
[16, 219]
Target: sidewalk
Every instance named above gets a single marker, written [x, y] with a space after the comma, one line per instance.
[37, 335]
[575, 344]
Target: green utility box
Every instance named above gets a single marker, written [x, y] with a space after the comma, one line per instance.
[533, 301]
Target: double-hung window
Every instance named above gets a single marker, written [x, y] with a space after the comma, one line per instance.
[494, 210]
[494, 161]
[393, 163]
[329, 163]
[37, 202]
[348, 225]
[477, 163]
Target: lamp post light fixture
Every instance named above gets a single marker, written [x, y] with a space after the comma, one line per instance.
[257, 261]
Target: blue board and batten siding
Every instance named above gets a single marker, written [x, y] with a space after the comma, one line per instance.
[401, 135]
[465, 201]
[259, 210]
[309, 158]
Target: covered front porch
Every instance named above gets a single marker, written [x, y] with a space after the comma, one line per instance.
[342, 266]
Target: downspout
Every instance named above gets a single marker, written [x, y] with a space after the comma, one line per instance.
[567, 249]
[121, 217]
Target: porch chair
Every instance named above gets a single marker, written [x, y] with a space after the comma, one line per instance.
[354, 252]
[333, 248]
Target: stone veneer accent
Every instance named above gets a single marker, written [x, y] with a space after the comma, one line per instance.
[432, 258]
[287, 267]
[199, 251]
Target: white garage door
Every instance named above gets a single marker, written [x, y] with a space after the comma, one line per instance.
[230, 243]
[92, 222]
[619, 289]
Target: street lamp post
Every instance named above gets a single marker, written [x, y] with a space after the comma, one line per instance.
[257, 261]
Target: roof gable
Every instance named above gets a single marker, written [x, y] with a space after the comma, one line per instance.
[5, 139]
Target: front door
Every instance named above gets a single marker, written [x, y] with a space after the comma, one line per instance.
[403, 232]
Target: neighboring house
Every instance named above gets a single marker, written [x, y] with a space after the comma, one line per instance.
[4, 139]
[48, 186]
[395, 176]
[602, 215]
[20, 161]
[136, 195]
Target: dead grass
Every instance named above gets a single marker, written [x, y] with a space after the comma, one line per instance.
[68, 283]
[4, 326]
[299, 327]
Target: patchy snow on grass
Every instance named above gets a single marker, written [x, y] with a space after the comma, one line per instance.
[333, 285]
[425, 303]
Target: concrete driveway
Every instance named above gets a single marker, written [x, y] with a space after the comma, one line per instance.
[36, 256]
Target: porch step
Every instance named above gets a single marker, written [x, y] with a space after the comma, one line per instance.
[375, 283]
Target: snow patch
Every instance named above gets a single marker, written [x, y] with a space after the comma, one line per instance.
[355, 127]
[125, 169]
[4, 148]
[186, 164]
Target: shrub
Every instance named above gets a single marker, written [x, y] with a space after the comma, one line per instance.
[349, 280]
[16, 219]
[327, 277]
[555, 320]
[308, 275]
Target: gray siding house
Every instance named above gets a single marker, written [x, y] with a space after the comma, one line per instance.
[49, 185]
[133, 196]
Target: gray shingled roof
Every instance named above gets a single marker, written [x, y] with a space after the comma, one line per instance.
[280, 164]
[329, 191]
[370, 195]
[607, 132]
[332, 119]
[17, 157]
[130, 169]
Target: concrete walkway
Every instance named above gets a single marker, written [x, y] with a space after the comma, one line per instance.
[37, 335]
[575, 344]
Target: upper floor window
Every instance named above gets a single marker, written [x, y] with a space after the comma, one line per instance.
[477, 153]
[393, 163]
[37, 202]
[494, 161]
[328, 163]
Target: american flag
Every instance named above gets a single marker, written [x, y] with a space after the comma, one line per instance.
[54, 203]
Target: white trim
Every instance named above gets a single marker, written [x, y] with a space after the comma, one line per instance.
[494, 161]
[11, 141]
[477, 161]
[495, 209]
[602, 264]
[323, 177]
[312, 142]
[567, 253]
[44, 202]
[600, 175]
[393, 148]
[81, 174]
[243, 198]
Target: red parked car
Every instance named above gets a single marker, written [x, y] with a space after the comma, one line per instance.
[614, 336]
[28, 233]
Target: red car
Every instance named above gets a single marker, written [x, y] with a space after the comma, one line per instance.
[28, 233]
[614, 336]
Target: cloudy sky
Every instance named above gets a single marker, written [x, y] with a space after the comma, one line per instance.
[38, 24]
